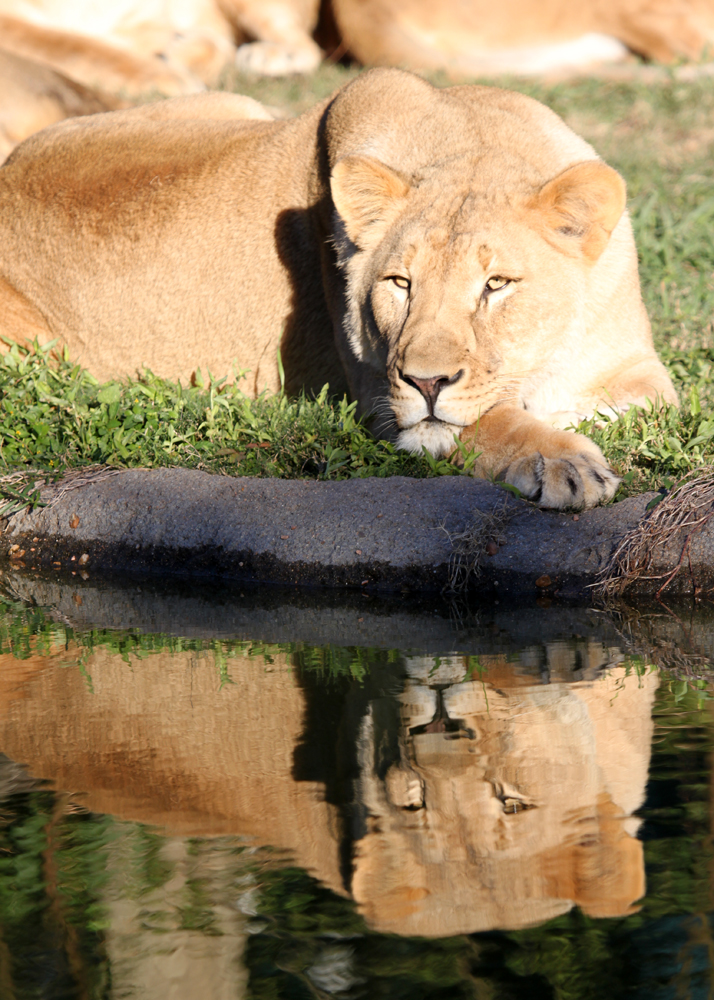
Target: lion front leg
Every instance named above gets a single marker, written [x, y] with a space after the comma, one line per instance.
[553, 468]
[281, 31]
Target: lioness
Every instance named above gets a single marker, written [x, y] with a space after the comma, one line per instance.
[174, 46]
[33, 96]
[510, 801]
[457, 259]
[521, 36]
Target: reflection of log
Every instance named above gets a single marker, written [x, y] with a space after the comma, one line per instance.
[161, 742]
[524, 812]
[158, 949]
[508, 802]
[56, 909]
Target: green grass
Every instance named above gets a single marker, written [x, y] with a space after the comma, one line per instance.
[653, 447]
[661, 138]
[55, 415]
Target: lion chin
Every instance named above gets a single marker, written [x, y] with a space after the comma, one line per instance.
[434, 435]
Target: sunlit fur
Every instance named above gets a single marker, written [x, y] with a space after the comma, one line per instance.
[479, 37]
[170, 46]
[197, 242]
[518, 292]
[436, 436]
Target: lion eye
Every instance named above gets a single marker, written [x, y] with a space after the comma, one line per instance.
[511, 803]
[493, 284]
[399, 281]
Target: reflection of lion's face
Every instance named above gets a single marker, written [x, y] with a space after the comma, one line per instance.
[453, 292]
[526, 775]
[524, 765]
[512, 802]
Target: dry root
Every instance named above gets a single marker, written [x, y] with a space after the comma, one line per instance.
[20, 490]
[75, 479]
[687, 508]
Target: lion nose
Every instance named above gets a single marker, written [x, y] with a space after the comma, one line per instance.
[431, 387]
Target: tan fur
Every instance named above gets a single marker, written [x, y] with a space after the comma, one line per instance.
[444, 849]
[95, 62]
[526, 813]
[33, 96]
[521, 36]
[174, 46]
[179, 244]
[171, 46]
[216, 106]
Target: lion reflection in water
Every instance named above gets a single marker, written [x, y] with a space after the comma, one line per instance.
[503, 801]
[513, 800]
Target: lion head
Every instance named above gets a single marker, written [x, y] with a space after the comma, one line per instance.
[469, 292]
[470, 270]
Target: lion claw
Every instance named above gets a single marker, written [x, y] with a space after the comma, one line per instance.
[563, 483]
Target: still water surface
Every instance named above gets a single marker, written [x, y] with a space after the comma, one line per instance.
[220, 795]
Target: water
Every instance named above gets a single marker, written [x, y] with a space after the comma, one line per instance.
[216, 794]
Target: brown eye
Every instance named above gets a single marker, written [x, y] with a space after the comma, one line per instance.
[399, 281]
[511, 803]
[493, 284]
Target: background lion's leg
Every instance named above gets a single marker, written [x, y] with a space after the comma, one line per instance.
[661, 29]
[281, 33]
[554, 468]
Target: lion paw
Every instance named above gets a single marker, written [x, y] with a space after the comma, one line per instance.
[582, 480]
[271, 59]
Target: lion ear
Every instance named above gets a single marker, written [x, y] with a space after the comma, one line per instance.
[580, 208]
[366, 194]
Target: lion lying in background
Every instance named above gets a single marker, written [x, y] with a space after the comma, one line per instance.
[33, 96]
[521, 36]
[171, 46]
[458, 260]
[176, 46]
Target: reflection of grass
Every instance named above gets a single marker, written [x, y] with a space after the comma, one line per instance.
[304, 923]
[52, 917]
[27, 631]
[93, 860]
